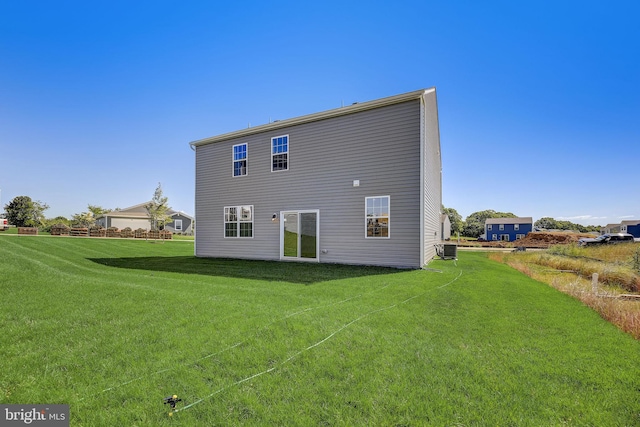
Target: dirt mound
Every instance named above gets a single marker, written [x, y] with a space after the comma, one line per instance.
[546, 239]
[535, 239]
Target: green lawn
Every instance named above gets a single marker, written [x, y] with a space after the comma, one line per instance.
[113, 326]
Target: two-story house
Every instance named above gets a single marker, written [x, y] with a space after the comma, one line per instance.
[507, 229]
[359, 184]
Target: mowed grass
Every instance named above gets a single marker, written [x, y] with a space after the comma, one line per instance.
[111, 327]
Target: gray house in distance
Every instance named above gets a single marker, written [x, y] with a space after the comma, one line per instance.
[357, 185]
[137, 216]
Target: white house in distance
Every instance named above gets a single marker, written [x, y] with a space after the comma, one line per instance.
[446, 227]
[359, 184]
[137, 216]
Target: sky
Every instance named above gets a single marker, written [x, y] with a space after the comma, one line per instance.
[539, 101]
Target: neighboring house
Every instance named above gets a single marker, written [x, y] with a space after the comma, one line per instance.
[358, 185]
[181, 223]
[446, 227]
[631, 227]
[137, 216]
[611, 228]
[507, 229]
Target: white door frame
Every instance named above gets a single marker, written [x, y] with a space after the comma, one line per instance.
[282, 224]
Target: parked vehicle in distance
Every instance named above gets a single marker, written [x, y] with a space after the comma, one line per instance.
[607, 239]
[4, 224]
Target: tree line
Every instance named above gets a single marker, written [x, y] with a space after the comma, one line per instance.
[473, 225]
[22, 211]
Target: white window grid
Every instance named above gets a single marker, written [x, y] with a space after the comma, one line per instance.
[238, 221]
[280, 153]
[377, 217]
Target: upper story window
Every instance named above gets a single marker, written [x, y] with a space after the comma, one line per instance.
[240, 160]
[238, 221]
[501, 226]
[516, 227]
[489, 227]
[280, 153]
[377, 216]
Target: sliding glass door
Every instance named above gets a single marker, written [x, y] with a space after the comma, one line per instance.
[299, 235]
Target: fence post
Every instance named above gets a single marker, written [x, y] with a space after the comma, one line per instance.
[594, 283]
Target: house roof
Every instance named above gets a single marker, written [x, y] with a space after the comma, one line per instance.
[180, 213]
[342, 111]
[519, 220]
[631, 222]
[138, 211]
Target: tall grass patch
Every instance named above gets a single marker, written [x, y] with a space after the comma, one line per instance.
[569, 268]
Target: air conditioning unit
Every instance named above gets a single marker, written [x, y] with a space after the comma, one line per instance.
[449, 251]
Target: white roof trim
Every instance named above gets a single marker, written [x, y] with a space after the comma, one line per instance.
[355, 108]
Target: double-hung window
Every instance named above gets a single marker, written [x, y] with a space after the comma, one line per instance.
[177, 225]
[238, 221]
[280, 153]
[377, 216]
[239, 159]
[516, 227]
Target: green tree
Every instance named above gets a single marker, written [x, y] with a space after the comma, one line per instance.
[157, 209]
[474, 224]
[455, 218]
[84, 219]
[547, 223]
[49, 222]
[59, 220]
[97, 210]
[24, 212]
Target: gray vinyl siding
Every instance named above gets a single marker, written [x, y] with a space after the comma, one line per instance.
[186, 224]
[379, 147]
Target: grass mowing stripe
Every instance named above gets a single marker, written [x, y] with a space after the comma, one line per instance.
[98, 271]
[345, 326]
[240, 343]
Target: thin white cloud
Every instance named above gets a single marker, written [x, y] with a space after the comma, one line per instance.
[580, 218]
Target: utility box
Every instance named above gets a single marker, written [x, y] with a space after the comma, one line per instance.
[449, 251]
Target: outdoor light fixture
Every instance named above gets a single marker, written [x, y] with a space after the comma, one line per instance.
[274, 217]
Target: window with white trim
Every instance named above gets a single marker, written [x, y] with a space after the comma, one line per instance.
[519, 236]
[280, 153]
[489, 227]
[501, 227]
[238, 221]
[377, 216]
[177, 225]
[516, 227]
[240, 160]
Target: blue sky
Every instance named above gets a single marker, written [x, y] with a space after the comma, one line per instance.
[539, 102]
